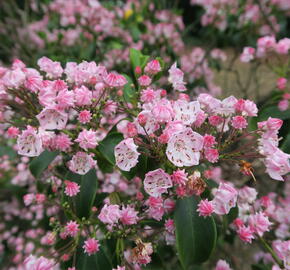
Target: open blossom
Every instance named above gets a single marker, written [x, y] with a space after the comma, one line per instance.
[110, 214]
[126, 154]
[87, 139]
[52, 119]
[162, 111]
[41, 263]
[28, 198]
[83, 96]
[157, 182]
[176, 78]
[205, 208]
[259, 223]
[186, 112]
[29, 143]
[72, 228]
[248, 54]
[129, 215]
[71, 188]
[183, 148]
[278, 165]
[91, 246]
[53, 69]
[224, 199]
[81, 163]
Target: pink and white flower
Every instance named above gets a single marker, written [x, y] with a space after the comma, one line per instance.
[183, 148]
[52, 119]
[157, 182]
[81, 163]
[126, 154]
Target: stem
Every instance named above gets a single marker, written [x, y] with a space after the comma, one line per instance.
[271, 251]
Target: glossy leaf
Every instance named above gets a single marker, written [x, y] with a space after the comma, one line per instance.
[87, 194]
[106, 146]
[195, 235]
[40, 163]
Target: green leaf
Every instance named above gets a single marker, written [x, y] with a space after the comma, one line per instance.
[106, 146]
[274, 112]
[286, 144]
[87, 194]
[135, 58]
[40, 163]
[129, 91]
[195, 235]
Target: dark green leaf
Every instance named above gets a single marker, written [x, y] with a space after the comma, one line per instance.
[135, 58]
[286, 144]
[106, 146]
[195, 235]
[274, 112]
[87, 194]
[40, 163]
[129, 91]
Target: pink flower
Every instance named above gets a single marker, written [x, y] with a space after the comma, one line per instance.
[283, 105]
[176, 78]
[115, 80]
[277, 165]
[239, 122]
[224, 199]
[183, 148]
[162, 111]
[129, 215]
[91, 246]
[148, 95]
[29, 143]
[153, 67]
[126, 154]
[245, 234]
[259, 223]
[52, 119]
[41, 263]
[186, 112]
[250, 108]
[212, 155]
[62, 142]
[53, 69]
[110, 214]
[144, 80]
[87, 139]
[13, 132]
[83, 96]
[179, 177]
[71, 188]
[281, 83]
[13, 78]
[85, 116]
[81, 163]
[72, 228]
[157, 182]
[248, 54]
[222, 265]
[169, 225]
[40, 198]
[215, 120]
[283, 46]
[205, 208]
[65, 99]
[247, 195]
[28, 198]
